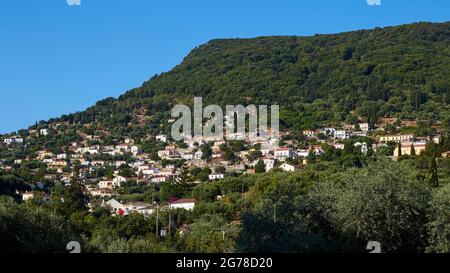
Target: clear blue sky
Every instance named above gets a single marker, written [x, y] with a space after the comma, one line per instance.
[56, 58]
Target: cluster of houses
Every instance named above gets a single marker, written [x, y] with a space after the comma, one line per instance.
[147, 170]
[18, 139]
[408, 142]
[119, 208]
[14, 139]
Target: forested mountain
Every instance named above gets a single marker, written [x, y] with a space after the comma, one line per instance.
[341, 194]
[398, 71]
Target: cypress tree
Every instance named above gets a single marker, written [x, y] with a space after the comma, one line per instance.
[433, 179]
[312, 157]
[413, 151]
[260, 167]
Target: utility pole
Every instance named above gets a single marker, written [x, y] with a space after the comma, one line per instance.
[153, 194]
[274, 213]
[223, 237]
[170, 224]
[223, 233]
[157, 221]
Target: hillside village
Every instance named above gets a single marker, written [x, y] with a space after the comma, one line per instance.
[106, 170]
[363, 154]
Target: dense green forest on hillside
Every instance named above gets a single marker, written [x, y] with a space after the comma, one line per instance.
[398, 71]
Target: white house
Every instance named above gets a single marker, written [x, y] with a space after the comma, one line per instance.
[269, 164]
[219, 143]
[119, 163]
[43, 132]
[170, 166]
[187, 156]
[166, 153]
[62, 156]
[8, 140]
[12, 140]
[283, 153]
[144, 167]
[124, 148]
[419, 147]
[148, 170]
[135, 150]
[217, 176]
[317, 150]
[82, 150]
[341, 134]
[88, 150]
[106, 184]
[303, 153]
[115, 206]
[436, 139]
[135, 207]
[98, 163]
[309, 133]
[360, 133]
[103, 192]
[339, 146]
[162, 138]
[364, 127]
[397, 138]
[288, 167]
[27, 196]
[187, 204]
[118, 181]
[147, 210]
[159, 179]
[329, 131]
[364, 147]
[265, 151]
[192, 142]
[167, 172]
[198, 155]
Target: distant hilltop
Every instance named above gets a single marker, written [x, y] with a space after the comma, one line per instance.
[399, 71]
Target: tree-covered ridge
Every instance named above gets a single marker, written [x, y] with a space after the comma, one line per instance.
[398, 71]
[332, 194]
[303, 69]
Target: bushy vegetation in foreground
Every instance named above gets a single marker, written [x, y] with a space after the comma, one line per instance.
[323, 209]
